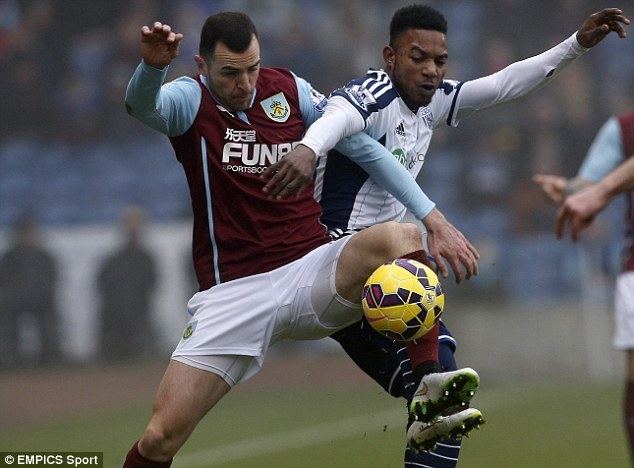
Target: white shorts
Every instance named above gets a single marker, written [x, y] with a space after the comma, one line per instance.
[624, 311]
[244, 317]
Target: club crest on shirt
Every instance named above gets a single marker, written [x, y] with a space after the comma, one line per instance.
[189, 330]
[426, 116]
[276, 107]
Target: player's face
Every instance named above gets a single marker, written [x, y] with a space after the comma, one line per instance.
[416, 63]
[232, 76]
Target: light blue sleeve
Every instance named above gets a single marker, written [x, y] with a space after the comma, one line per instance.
[385, 170]
[311, 101]
[605, 153]
[169, 108]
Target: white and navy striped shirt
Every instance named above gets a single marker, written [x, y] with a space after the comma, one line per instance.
[349, 197]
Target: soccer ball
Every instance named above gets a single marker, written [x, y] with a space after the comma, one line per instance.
[403, 299]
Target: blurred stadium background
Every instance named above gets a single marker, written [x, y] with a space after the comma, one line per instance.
[78, 177]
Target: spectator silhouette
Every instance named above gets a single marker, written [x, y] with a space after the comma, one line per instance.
[28, 277]
[126, 282]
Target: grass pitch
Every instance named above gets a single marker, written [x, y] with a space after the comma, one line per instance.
[531, 425]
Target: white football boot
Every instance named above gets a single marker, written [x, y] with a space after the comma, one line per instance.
[441, 391]
[425, 435]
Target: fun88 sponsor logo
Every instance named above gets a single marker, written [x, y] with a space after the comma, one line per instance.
[253, 158]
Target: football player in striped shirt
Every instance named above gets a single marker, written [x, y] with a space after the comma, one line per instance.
[400, 107]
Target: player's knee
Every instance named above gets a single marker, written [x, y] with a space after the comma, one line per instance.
[412, 239]
[159, 442]
[401, 239]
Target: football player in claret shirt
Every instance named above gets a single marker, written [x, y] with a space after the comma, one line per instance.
[401, 107]
[607, 170]
[267, 268]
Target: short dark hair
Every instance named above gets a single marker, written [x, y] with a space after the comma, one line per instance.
[416, 17]
[234, 29]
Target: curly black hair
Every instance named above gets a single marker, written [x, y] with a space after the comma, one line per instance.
[416, 17]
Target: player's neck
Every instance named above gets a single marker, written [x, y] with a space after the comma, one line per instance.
[410, 105]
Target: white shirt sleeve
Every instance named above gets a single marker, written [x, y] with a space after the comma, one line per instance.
[514, 81]
[443, 104]
[339, 121]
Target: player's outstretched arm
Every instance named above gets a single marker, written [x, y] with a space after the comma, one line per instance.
[579, 210]
[522, 77]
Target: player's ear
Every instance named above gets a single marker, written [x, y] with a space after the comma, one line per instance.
[389, 55]
[202, 64]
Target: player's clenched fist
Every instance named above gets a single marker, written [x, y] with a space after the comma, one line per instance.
[159, 45]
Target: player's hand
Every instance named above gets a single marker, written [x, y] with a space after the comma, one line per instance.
[159, 45]
[446, 243]
[599, 25]
[553, 186]
[580, 210]
[291, 174]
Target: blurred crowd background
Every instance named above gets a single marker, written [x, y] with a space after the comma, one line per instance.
[94, 209]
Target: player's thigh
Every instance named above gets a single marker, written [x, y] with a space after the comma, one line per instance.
[233, 318]
[370, 248]
[184, 396]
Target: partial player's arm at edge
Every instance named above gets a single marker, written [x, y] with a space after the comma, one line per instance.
[579, 210]
[619, 180]
[605, 154]
[168, 108]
